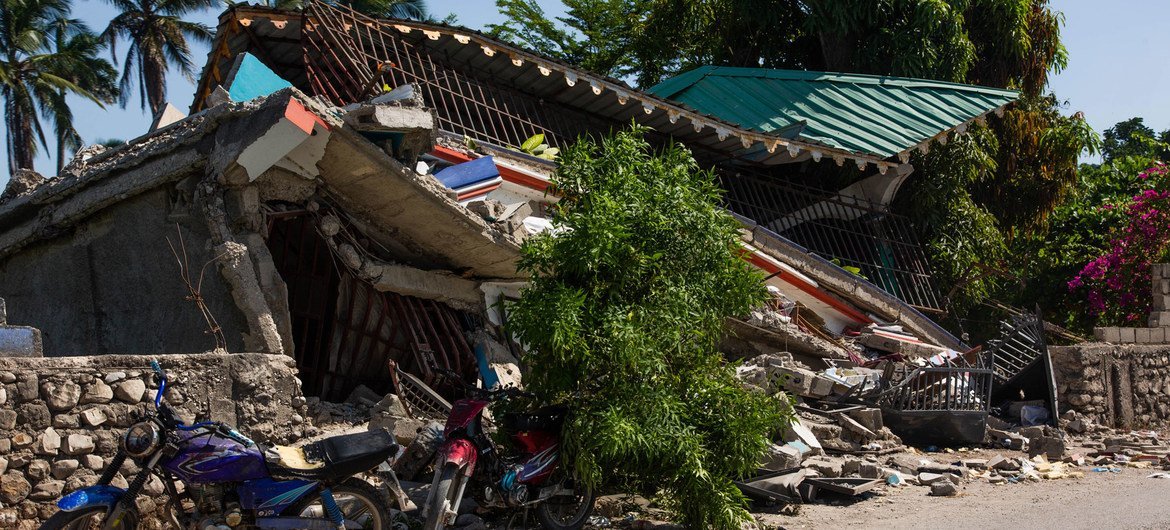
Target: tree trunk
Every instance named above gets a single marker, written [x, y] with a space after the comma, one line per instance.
[20, 136]
[154, 69]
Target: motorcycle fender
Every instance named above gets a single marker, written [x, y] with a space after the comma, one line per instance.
[89, 497]
[461, 452]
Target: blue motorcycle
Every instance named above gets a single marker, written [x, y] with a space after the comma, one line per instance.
[229, 482]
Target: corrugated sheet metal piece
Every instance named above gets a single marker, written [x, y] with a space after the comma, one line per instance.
[879, 115]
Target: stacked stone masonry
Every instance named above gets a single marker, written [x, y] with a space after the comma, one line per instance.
[61, 419]
[1125, 386]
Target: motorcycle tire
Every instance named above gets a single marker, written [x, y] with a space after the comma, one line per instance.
[88, 518]
[374, 498]
[445, 490]
[574, 520]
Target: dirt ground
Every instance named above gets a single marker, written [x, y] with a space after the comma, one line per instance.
[1099, 500]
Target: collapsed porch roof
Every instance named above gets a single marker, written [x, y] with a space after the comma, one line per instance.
[883, 116]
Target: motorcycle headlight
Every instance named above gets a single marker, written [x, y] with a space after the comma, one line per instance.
[141, 439]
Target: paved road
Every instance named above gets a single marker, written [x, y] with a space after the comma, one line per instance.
[1126, 500]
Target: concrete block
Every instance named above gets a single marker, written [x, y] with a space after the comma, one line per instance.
[1128, 336]
[1164, 286]
[1157, 335]
[20, 341]
[1141, 335]
[1107, 334]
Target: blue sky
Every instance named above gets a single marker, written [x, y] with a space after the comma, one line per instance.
[1118, 69]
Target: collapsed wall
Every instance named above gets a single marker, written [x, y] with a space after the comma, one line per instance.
[61, 419]
[1121, 386]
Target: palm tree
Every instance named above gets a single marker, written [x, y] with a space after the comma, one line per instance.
[158, 38]
[72, 38]
[35, 77]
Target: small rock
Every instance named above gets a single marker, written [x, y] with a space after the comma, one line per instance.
[7, 377]
[33, 416]
[3, 465]
[93, 462]
[130, 391]
[114, 377]
[930, 479]
[7, 419]
[37, 469]
[21, 440]
[93, 417]
[153, 487]
[391, 405]
[77, 444]
[61, 396]
[49, 443]
[944, 488]
[66, 421]
[13, 488]
[3, 395]
[27, 387]
[47, 490]
[98, 392]
[62, 469]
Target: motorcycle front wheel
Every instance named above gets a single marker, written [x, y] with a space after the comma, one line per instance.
[442, 498]
[88, 519]
[360, 503]
[566, 512]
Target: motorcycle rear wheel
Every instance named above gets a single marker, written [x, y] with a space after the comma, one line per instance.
[443, 497]
[566, 512]
[88, 519]
[359, 502]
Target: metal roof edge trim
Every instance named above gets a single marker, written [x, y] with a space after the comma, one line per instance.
[601, 83]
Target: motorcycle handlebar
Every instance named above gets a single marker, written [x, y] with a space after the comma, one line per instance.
[488, 393]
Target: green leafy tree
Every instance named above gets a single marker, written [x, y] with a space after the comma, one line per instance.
[37, 72]
[623, 316]
[158, 37]
[1082, 226]
[73, 38]
[1132, 138]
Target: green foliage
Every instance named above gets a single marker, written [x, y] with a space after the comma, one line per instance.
[1081, 226]
[158, 40]
[1132, 138]
[623, 316]
[535, 146]
[46, 56]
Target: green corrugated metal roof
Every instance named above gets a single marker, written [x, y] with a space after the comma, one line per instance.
[876, 115]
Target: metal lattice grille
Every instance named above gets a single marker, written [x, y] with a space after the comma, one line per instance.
[851, 232]
[373, 53]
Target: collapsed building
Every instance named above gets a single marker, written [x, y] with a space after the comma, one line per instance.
[352, 193]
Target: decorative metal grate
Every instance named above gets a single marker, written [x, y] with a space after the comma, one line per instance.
[850, 232]
[957, 385]
[1020, 344]
[348, 56]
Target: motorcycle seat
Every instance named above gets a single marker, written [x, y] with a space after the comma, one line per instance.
[549, 418]
[334, 458]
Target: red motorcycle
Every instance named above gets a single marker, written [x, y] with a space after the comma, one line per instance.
[528, 475]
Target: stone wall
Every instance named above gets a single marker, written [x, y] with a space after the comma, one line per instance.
[61, 419]
[1125, 386]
